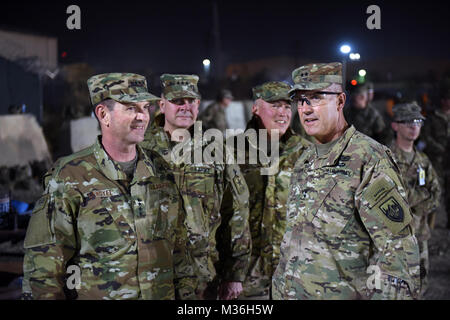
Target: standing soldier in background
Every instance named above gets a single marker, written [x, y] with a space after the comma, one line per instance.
[271, 111]
[347, 213]
[202, 186]
[111, 210]
[362, 115]
[214, 114]
[420, 179]
[436, 134]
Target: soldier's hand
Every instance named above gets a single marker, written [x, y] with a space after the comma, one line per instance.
[230, 290]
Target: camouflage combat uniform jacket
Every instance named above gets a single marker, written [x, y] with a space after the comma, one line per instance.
[347, 211]
[267, 202]
[214, 117]
[436, 133]
[368, 121]
[120, 234]
[202, 187]
[424, 199]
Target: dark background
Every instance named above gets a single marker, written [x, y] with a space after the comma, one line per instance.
[175, 36]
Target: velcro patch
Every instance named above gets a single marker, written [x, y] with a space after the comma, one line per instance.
[39, 228]
[385, 200]
[377, 191]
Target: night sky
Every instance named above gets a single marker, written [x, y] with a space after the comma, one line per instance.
[175, 36]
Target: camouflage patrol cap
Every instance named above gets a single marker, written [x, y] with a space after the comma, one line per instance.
[272, 91]
[177, 86]
[407, 112]
[316, 76]
[121, 87]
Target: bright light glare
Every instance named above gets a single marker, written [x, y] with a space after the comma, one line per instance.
[206, 62]
[362, 72]
[345, 48]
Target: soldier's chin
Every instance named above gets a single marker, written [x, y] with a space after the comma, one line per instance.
[184, 122]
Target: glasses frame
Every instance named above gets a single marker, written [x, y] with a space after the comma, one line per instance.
[413, 123]
[304, 99]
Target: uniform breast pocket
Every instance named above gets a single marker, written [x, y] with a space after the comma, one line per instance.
[103, 227]
[200, 180]
[335, 208]
[163, 214]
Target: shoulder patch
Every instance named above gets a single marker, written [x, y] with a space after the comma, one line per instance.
[385, 201]
[392, 209]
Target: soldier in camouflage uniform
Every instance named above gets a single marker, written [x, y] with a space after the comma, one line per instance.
[349, 233]
[419, 176]
[202, 186]
[436, 134]
[271, 110]
[363, 116]
[214, 115]
[110, 210]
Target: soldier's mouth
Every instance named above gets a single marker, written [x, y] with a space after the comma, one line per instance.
[310, 121]
[281, 121]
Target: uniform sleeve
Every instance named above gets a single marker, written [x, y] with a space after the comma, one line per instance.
[236, 242]
[49, 244]
[429, 135]
[434, 188]
[384, 211]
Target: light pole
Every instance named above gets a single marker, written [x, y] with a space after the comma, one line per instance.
[345, 49]
[206, 67]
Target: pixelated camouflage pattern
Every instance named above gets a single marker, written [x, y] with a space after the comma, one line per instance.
[202, 187]
[316, 76]
[121, 87]
[423, 200]
[436, 133]
[214, 117]
[347, 210]
[407, 112]
[368, 121]
[175, 86]
[268, 201]
[272, 91]
[121, 234]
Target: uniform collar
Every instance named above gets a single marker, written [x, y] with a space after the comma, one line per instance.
[400, 154]
[332, 157]
[112, 170]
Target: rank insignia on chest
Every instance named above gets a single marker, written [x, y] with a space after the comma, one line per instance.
[392, 209]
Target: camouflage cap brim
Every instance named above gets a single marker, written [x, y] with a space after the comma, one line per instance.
[182, 94]
[138, 97]
[413, 117]
[309, 86]
[278, 97]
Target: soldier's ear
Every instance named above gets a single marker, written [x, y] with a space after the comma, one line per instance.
[255, 108]
[103, 115]
[162, 105]
[341, 101]
[394, 126]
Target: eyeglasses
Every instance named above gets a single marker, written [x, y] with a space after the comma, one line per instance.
[183, 101]
[413, 123]
[312, 99]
